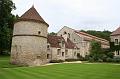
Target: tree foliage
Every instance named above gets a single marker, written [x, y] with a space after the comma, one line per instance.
[99, 54]
[6, 24]
[52, 33]
[102, 34]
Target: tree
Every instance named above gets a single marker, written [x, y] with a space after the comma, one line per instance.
[99, 54]
[102, 34]
[52, 33]
[95, 51]
[6, 24]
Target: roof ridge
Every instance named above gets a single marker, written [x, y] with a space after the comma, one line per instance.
[116, 32]
[32, 15]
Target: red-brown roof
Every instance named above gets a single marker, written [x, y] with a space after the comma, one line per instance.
[116, 32]
[93, 38]
[32, 15]
[55, 40]
[70, 45]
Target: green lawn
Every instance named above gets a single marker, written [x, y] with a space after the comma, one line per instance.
[59, 71]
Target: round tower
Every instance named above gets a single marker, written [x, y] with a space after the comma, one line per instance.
[29, 42]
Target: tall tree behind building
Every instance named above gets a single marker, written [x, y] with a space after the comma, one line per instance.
[102, 34]
[6, 24]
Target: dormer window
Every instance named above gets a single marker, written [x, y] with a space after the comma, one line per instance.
[39, 32]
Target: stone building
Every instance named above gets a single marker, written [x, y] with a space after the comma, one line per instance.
[115, 38]
[29, 42]
[60, 48]
[32, 46]
[81, 40]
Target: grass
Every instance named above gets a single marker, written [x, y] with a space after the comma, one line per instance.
[59, 71]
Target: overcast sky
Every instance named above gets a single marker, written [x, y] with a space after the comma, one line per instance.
[76, 14]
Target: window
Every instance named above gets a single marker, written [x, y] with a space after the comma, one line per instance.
[116, 41]
[48, 56]
[74, 53]
[68, 35]
[66, 52]
[62, 53]
[48, 46]
[63, 43]
[65, 32]
[58, 52]
[39, 32]
[38, 57]
[74, 40]
[117, 53]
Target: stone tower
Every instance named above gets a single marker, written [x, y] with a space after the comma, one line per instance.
[29, 42]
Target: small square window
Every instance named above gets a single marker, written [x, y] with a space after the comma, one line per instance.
[39, 32]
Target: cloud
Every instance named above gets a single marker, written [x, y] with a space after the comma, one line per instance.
[77, 14]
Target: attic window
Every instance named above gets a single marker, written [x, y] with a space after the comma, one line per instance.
[65, 32]
[39, 32]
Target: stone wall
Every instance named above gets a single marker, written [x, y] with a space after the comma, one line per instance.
[28, 46]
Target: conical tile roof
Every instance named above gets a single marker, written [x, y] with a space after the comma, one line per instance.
[116, 32]
[32, 15]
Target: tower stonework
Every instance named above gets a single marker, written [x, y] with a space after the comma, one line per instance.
[29, 42]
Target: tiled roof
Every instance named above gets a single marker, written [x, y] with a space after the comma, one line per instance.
[55, 40]
[116, 32]
[32, 15]
[93, 38]
[70, 45]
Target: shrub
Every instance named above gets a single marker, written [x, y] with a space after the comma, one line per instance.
[91, 59]
[116, 59]
[100, 60]
[56, 61]
[86, 57]
[70, 60]
[109, 59]
[81, 58]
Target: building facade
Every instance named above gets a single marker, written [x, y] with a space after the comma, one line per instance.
[32, 46]
[61, 48]
[29, 42]
[82, 40]
[115, 41]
